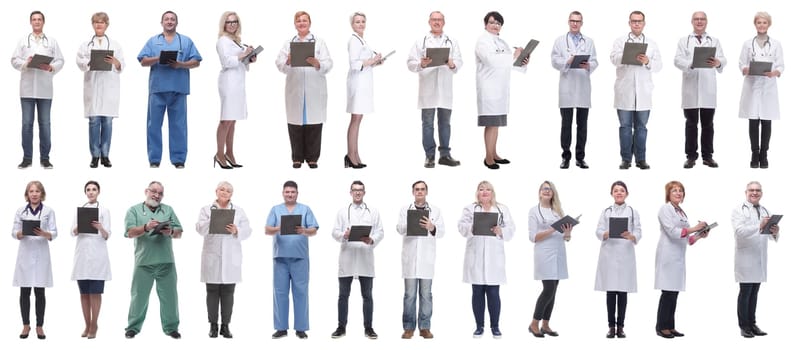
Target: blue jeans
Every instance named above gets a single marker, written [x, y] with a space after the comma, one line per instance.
[366, 284]
[444, 132]
[100, 129]
[480, 294]
[177, 106]
[29, 108]
[413, 286]
[632, 134]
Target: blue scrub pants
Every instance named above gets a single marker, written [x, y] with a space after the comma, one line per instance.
[289, 272]
[177, 106]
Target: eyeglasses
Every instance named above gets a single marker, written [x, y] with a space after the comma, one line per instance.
[636, 21]
[159, 193]
[546, 189]
[232, 22]
[357, 190]
[700, 19]
[754, 190]
[575, 21]
[495, 23]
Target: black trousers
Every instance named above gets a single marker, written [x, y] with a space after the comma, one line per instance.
[567, 115]
[305, 141]
[666, 310]
[486, 294]
[692, 116]
[746, 304]
[366, 284]
[760, 145]
[616, 300]
[223, 296]
[24, 305]
[546, 300]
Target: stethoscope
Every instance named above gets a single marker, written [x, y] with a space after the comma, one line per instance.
[179, 38]
[541, 214]
[215, 206]
[349, 210]
[631, 214]
[426, 207]
[681, 213]
[759, 212]
[766, 47]
[446, 41]
[580, 41]
[44, 40]
[107, 39]
[311, 40]
[500, 220]
[35, 212]
[631, 40]
[144, 207]
[706, 41]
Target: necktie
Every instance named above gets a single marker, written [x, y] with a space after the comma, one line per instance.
[698, 37]
[758, 214]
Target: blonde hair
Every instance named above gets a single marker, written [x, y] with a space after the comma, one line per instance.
[763, 15]
[39, 186]
[302, 13]
[556, 207]
[222, 26]
[100, 16]
[489, 186]
[357, 13]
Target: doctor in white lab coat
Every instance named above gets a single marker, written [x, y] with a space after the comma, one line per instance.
[33, 270]
[616, 271]
[305, 93]
[494, 61]
[484, 259]
[549, 254]
[574, 88]
[362, 60]
[750, 255]
[669, 262]
[759, 99]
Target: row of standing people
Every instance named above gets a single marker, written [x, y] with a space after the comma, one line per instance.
[484, 261]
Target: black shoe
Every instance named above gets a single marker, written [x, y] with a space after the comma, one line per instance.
[665, 335]
[213, 330]
[747, 333]
[45, 163]
[449, 161]
[225, 331]
[350, 164]
[502, 161]
[105, 162]
[301, 335]
[233, 164]
[611, 333]
[175, 335]
[690, 163]
[179, 165]
[624, 165]
[339, 333]
[314, 165]
[582, 164]
[94, 162]
[297, 165]
[279, 334]
[564, 164]
[642, 164]
[217, 161]
[676, 333]
[478, 332]
[370, 333]
[129, 334]
[549, 332]
[154, 165]
[491, 166]
[495, 332]
[709, 162]
[430, 162]
[763, 163]
[620, 333]
[26, 163]
[757, 331]
[540, 334]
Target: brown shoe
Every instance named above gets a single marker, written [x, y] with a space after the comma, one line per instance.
[407, 334]
[426, 333]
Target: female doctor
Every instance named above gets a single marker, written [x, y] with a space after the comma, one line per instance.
[305, 94]
[759, 99]
[484, 259]
[362, 60]
[549, 254]
[669, 262]
[222, 258]
[494, 61]
[33, 268]
[616, 271]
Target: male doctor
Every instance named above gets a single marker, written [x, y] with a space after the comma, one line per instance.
[356, 258]
[419, 259]
[750, 255]
[574, 89]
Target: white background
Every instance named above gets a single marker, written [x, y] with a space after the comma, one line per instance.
[391, 146]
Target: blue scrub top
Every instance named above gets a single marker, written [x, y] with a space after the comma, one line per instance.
[291, 246]
[163, 78]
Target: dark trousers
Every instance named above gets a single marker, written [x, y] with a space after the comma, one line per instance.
[567, 115]
[666, 310]
[759, 146]
[546, 301]
[692, 117]
[305, 141]
[746, 304]
[616, 300]
[223, 296]
[366, 284]
[481, 296]
[24, 305]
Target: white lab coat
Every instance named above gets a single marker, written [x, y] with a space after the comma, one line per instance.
[759, 99]
[91, 260]
[222, 254]
[435, 83]
[633, 87]
[305, 85]
[232, 79]
[418, 257]
[101, 89]
[357, 258]
[750, 247]
[494, 62]
[669, 261]
[34, 267]
[617, 269]
[34, 82]
[484, 258]
[360, 78]
[699, 85]
[574, 88]
[549, 254]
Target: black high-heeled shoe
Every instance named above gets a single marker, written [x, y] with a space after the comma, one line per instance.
[223, 166]
[233, 164]
[350, 164]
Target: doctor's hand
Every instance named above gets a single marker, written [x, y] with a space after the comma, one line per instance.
[112, 60]
[231, 228]
[288, 60]
[347, 234]
[606, 235]
[367, 240]
[497, 230]
[773, 74]
[427, 224]
[628, 236]
[745, 70]
[713, 62]
[41, 233]
[314, 62]
[45, 67]
[245, 53]
[516, 52]
[642, 58]
[425, 61]
[20, 235]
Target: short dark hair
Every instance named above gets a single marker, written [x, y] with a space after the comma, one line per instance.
[37, 12]
[357, 182]
[290, 183]
[637, 13]
[167, 12]
[91, 182]
[497, 17]
[417, 183]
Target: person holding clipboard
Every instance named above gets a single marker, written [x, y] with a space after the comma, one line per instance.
[358, 229]
[484, 258]
[753, 228]
[549, 254]
[222, 255]
[362, 60]
[616, 271]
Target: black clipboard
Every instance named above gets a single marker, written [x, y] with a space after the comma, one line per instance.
[289, 223]
[631, 51]
[617, 226]
[97, 61]
[706, 228]
[358, 232]
[413, 225]
[253, 53]
[438, 56]
[38, 60]
[482, 222]
[29, 225]
[700, 56]
[759, 68]
[578, 60]
[219, 218]
[300, 51]
[774, 219]
[558, 225]
[85, 216]
[160, 226]
[528, 49]
[166, 56]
